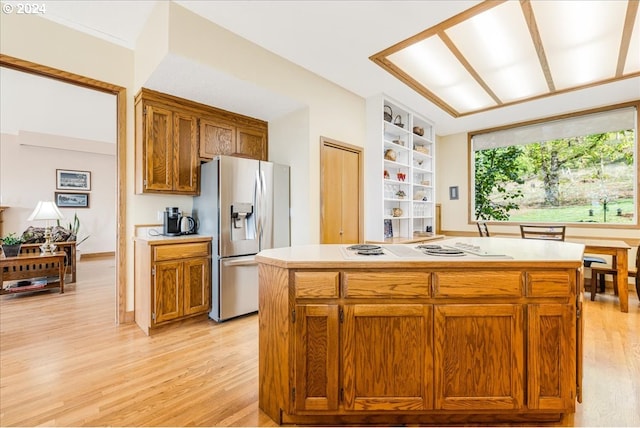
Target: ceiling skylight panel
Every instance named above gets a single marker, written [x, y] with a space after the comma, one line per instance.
[431, 64]
[581, 39]
[497, 44]
[632, 65]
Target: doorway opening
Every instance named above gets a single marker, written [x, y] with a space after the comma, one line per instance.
[119, 92]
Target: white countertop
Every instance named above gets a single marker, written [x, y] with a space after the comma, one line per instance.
[496, 250]
[153, 235]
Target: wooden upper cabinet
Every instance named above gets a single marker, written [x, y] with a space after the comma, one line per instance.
[186, 161]
[158, 143]
[174, 135]
[251, 143]
[216, 138]
[166, 150]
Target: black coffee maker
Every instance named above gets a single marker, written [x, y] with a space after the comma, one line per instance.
[171, 225]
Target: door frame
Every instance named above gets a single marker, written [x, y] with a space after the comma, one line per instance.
[121, 182]
[329, 142]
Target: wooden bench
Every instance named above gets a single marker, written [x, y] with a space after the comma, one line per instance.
[32, 266]
[69, 247]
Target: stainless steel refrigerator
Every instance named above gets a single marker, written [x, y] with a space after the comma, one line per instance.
[244, 205]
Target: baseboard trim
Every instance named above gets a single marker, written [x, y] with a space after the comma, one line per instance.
[89, 256]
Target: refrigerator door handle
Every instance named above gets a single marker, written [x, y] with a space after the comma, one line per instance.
[258, 201]
[240, 262]
[263, 202]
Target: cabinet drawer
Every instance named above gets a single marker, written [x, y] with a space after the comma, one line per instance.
[387, 284]
[478, 284]
[549, 284]
[316, 284]
[180, 251]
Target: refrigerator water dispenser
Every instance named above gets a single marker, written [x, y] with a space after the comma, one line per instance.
[242, 226]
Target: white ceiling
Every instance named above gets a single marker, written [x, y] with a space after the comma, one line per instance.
[333, 39]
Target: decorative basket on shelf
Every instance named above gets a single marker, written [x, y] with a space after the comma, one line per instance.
[422, 149]
[398, 121]
[418, 130]
[390, 154]
[388, 113]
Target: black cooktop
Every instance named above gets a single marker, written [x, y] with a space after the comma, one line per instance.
[437, 250]
[366, 249]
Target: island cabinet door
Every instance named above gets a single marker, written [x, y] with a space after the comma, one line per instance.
[479, 357]
[551, 370]
[388, 357]
[316, 357]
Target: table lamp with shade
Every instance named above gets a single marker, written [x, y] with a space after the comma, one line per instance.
[46, 210]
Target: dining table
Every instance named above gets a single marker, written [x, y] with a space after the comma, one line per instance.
[619, 252]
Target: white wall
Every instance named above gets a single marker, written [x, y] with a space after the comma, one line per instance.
[287, 145]
[28, 175]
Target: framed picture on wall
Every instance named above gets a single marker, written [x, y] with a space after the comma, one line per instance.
[73, 180]
[72, 200]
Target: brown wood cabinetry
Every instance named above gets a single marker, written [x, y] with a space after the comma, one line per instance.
[166, 156]
[174, 135]
[387, 354]
[479, 357]
[173, 281]
[218, 137]
[364, 344]
[316, 363]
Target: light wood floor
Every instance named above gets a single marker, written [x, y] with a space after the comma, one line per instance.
[64, 362]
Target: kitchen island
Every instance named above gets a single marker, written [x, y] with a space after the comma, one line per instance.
[488, 332]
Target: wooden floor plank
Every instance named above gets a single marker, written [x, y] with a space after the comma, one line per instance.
[64, 362]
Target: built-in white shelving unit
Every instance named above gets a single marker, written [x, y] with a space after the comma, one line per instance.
[399, 172]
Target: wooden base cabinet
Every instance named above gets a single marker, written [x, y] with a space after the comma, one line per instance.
[173, 282]
[479, 357]
[387, 357]
[316, 358]
[420, 345]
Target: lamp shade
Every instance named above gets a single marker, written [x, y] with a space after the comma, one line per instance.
[45, 210]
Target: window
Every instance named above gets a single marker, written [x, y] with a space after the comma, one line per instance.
[578, 169]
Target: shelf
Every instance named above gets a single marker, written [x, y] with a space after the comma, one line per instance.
[390, 128]
[391, 144]
[401, 141]
[422, 139]
[392, 181]
[396, 164]
[421, 155]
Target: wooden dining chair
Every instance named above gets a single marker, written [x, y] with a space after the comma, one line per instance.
[598, 277]
[482, 228]
[540, 231]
